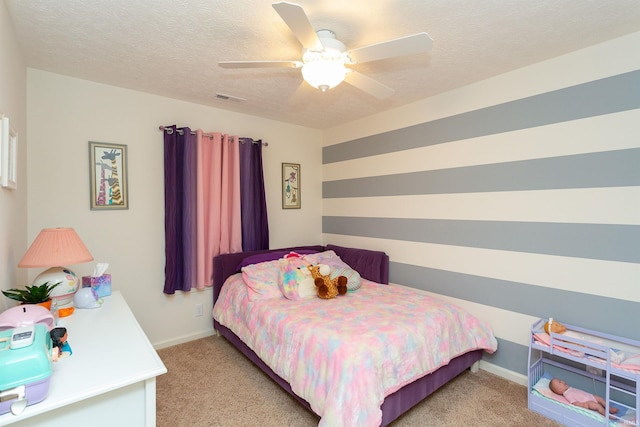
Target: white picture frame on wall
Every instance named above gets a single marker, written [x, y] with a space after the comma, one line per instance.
[9, 156]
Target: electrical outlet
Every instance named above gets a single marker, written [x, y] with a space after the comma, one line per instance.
[198, 310]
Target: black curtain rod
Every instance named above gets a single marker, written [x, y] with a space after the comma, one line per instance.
[169, 130]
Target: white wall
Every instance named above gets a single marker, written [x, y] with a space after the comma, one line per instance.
[13, 204]
[65, 113]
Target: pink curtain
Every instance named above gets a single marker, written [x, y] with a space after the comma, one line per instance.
[219, 227]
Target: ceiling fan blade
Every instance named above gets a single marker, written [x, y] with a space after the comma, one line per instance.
[296, 19]
[408, 45]
[368, 85]
[260, 64]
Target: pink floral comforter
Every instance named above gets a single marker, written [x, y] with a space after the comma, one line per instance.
[344, 355]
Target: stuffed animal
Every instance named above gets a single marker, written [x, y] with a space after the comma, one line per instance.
[326, 286]
[295, 279]
[555, 327]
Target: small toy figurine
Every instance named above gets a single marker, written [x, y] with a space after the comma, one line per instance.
[61, 347]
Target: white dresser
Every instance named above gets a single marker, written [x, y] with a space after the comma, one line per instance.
[109, 380]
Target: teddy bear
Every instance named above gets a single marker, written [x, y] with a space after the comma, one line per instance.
[326, 286]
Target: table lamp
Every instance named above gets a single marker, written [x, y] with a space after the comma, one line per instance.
[55, 247]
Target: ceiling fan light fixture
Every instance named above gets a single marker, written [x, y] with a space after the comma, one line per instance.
[324, 74]
[324, 58]
[325, 69]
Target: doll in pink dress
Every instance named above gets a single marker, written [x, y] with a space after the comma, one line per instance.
[579, 397]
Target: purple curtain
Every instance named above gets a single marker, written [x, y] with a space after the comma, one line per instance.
[180, 209]
[255, 225]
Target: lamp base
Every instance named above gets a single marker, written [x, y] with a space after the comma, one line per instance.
[63, 293]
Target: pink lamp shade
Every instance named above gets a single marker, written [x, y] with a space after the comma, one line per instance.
[55, 247]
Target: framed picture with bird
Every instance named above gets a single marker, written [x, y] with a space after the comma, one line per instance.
[291, 186]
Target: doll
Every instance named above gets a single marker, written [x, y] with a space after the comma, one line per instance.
[61, 347]
[579, 397]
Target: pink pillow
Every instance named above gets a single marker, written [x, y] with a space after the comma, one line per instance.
[262, 280]
[327, 257]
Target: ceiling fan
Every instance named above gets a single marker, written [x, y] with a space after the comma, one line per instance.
[325, 58]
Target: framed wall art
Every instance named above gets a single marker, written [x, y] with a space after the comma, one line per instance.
[291, 191]
[9, 156]
[108, 176]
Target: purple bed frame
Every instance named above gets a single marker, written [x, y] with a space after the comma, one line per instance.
[374, 266]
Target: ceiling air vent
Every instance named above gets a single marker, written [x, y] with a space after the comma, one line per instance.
[224, 97]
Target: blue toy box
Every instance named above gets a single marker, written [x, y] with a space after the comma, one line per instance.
[24, 372]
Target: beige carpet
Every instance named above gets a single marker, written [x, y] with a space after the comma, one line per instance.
[209, 383]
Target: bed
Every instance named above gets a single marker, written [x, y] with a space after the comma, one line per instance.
[389, 401]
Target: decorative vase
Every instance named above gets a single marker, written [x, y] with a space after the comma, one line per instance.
[46, 304]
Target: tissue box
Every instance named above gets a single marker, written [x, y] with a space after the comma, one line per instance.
[100, 284]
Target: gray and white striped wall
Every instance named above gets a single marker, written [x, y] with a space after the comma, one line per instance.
[516, 197]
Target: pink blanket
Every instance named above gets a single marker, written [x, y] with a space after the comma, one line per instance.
[344, 355]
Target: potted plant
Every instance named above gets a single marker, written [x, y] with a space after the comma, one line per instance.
[40, 294]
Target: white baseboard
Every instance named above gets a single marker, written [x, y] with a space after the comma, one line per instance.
[504, 373]
[183, 339]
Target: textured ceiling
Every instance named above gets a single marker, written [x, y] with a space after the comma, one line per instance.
[171, 47]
